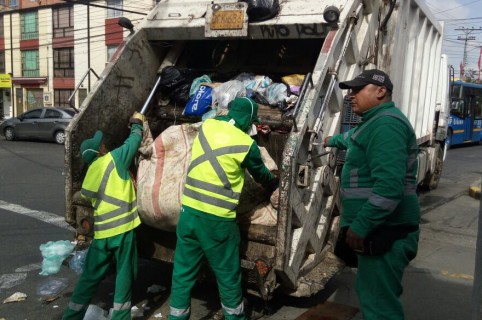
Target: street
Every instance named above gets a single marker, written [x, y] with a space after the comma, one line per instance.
[437, 285]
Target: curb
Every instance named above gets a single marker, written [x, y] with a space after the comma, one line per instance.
[474, 190]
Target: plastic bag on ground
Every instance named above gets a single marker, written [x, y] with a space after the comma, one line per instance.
[50, 286]
[78, 260]
[54, 253]
[96, 313]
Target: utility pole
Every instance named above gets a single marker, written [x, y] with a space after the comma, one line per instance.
[467, 31]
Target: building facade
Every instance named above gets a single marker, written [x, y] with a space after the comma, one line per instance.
[50, 48]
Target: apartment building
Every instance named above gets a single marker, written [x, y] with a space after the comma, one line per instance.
[50, 48]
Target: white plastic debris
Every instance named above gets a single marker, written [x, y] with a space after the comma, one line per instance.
[158, 315]
[17, 296]
[137, 312]
[95, 313]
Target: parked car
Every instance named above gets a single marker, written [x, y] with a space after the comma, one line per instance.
[40, 124]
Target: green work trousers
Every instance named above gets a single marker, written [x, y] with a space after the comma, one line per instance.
[218, 241]
[379, 280]
[101, 254]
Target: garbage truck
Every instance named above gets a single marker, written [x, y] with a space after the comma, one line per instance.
[317, 42]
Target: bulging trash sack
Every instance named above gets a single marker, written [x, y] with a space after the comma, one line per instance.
[54, 252]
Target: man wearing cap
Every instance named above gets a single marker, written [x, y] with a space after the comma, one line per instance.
[380, 209]
[109, 188]
[207, 228]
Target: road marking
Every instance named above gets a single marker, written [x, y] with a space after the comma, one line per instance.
[11, 280]
[457, 275]
[39, 215]
[30, 267]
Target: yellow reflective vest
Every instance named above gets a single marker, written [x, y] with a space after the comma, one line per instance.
[113, 199]
[215, 177]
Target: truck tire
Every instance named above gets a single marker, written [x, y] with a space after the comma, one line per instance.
[432, 180]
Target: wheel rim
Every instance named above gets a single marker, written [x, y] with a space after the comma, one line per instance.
[9, 134]
[60, 137]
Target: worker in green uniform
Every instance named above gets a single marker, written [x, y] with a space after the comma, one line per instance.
[207, 228]
[109, 188]
[380, 208]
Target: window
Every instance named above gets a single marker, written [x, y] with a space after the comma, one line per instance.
[2, 35]
[64, 63]
[2, 2]
[111, 49]
[2, 61]
[63, 22]
[52, 114]
[112, 6]
[29, 23]
[61, 97]
[13, 4]
[34, 114]
[30, 67]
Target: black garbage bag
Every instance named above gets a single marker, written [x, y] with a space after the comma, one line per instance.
[261, 10]
[175, 83]
[171, 78]
[181, 94]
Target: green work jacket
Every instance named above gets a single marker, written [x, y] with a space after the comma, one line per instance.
[379, 177]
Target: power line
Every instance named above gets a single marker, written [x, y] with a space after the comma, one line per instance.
[90, 4]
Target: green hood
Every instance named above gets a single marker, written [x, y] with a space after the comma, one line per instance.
[244, 111]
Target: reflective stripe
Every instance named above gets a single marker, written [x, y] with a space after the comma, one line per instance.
[385, 113]
[127, 207]
[208, 153]
[354, 178]
[139, 132]
[211, 156]
[179, 312]
[239, 310]
[383, 203]
[356, 193]
[212, 188]
[122, 306]
[115, 223]
[124, 206]
[210, 200]
[366, 193]
[76, 306]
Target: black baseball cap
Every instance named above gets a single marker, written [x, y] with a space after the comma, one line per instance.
[374, 76]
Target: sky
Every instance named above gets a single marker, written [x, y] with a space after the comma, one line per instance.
[458, 14]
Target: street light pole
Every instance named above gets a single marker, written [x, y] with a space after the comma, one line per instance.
[467, 31]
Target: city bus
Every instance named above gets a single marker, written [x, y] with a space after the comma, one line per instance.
[465, 120]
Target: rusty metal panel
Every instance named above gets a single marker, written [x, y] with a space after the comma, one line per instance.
[226, 20]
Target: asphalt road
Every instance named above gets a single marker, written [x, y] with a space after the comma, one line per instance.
[437, 284]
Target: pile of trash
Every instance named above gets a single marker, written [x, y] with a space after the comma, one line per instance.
[204, 98]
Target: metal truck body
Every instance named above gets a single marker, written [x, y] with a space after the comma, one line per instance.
[401, 38]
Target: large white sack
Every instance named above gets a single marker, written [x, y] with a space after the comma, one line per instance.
[160, 182]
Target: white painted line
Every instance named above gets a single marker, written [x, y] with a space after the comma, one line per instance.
[39, 215]
[30, 267]
[11, 280]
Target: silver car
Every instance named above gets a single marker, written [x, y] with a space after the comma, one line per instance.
[40, 124]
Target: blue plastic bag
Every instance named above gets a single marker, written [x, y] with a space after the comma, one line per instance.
[200, 102]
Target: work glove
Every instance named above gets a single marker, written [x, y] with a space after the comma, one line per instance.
[137, 118]
[272, 185]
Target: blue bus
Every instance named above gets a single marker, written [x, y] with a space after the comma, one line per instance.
[465, 120]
